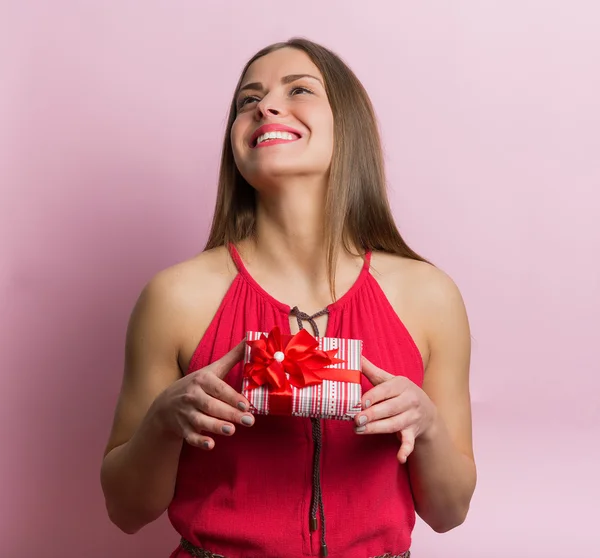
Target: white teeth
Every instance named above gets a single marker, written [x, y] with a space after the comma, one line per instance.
[275, 135]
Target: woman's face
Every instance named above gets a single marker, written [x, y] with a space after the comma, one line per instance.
[284, 124]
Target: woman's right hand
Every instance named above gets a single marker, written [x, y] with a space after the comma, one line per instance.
[202, 403]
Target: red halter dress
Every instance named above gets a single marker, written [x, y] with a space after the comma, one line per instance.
[251, 496]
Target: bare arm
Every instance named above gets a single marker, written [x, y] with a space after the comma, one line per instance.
[141, 458]
[433, 423]
[441, 467]
[158, 408]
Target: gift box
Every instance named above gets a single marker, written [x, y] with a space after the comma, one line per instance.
[301, 375]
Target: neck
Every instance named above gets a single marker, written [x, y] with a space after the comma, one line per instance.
[290, 231]
[290, 226]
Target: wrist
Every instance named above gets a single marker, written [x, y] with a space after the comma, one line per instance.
[432, 432]
[157, 425]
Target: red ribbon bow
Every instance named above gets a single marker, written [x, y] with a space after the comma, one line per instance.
[298, 355]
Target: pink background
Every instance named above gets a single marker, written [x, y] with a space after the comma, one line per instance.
[111, 123]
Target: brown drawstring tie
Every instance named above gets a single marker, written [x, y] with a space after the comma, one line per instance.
[310, 319]
[317, 497]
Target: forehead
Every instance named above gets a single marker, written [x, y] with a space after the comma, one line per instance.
[283, 62]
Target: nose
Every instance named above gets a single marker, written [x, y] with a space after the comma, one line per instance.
[266, 107]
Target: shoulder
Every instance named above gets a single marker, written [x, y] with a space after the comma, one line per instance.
[196, 279]
[184, 297]
[426, 293]
[429, 285]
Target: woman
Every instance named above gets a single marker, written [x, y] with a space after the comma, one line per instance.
[302, 235]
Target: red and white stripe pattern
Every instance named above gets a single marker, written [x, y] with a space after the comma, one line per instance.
[329, 400]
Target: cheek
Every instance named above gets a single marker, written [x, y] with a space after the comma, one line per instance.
[327, 141]
[327, 123]
[235, 133]
[331, 137]
[236, 139]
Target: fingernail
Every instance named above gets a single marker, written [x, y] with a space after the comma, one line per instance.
[360, 429]
[367, 403]
[362, 420]
[206, 445]
[241, 406]
[226, 429]
[247, 420]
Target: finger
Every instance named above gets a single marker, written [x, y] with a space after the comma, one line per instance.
[204, 423]
[221, 391]
[380, 410]
[222, 366]
[195, 439]
[374, 374]
[408, 444]
[385, 391]
[218, 409]
[396, 386]
[387, 399]
[389, 425]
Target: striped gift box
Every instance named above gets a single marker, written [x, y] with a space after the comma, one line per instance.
[331, 399]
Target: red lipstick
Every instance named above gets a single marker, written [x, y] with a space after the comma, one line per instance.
[266, 128]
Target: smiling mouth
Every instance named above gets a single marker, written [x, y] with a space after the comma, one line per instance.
[272, 137]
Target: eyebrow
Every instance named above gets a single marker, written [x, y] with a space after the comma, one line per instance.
[257, 86]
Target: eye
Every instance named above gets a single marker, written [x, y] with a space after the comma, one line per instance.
[300, 89]
[246, 100]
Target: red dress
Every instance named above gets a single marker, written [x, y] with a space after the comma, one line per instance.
[250, 497]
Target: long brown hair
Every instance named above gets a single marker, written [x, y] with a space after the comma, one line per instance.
[356, 205]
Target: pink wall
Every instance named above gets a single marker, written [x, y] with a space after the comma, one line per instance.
[112, 115]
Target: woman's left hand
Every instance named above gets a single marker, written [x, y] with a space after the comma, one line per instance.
[395, 405]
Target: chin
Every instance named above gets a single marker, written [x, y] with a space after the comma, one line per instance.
[269, 180]
[275, 174]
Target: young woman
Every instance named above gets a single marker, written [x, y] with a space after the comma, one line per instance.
[302, 236]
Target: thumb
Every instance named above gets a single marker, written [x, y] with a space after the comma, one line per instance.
[408, 445]
[221, 367]
[374, 374]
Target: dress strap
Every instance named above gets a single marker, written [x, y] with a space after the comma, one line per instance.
[235, 256]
